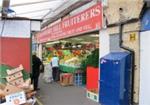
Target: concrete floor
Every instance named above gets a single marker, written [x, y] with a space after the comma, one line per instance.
[55, 94]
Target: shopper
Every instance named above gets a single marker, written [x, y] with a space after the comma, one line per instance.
[55, 67]
[36, 62]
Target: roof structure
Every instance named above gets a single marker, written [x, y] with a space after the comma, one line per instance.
[46, 10]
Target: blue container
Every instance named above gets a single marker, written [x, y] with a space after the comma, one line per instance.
[78, 79]
[115, 79]
[145, 26]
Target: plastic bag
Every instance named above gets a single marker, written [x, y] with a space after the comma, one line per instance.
[47, 77]
[42, 68]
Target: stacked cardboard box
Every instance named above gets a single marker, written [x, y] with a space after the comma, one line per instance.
[15, 76]
[16, 90]
[66, 79]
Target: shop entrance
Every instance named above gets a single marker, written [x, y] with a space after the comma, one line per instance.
[78, 63]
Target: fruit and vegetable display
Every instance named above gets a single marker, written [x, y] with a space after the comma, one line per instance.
[91, 60]
[67, 57]
[73, 57]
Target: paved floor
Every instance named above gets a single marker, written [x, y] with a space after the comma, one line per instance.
[54, 94]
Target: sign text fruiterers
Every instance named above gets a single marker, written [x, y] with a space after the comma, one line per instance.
[86, 21]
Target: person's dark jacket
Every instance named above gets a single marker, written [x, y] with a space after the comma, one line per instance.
[36, 62]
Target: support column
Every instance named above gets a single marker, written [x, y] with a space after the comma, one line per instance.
[40, 51]
[104, 43]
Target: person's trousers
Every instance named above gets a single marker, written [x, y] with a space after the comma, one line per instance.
[55, 73]
[35, 80]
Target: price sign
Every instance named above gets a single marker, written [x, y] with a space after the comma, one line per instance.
[16, 98]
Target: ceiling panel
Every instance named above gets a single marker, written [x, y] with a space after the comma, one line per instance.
[34, 15]
[34, 8]
[43, 9]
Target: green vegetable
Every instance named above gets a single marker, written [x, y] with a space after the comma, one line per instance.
[91, 60]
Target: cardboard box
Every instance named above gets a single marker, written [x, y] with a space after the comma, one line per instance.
[10, 89]
[14, 76]
[15, 70]
[66, 79]
[17, 82]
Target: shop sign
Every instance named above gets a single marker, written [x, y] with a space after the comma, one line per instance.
[132, 36]
[86, 21]
[16, 98]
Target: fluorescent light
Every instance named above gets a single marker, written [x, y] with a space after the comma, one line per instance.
[94, 35]
[85, 42]
[78, 39]
[49, 43]
[63, 41]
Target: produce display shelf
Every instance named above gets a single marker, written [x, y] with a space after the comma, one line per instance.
[68, 69]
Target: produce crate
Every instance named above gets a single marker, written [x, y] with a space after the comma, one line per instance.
[84, 78]
[92, 95]
[3, 73]
[66, 79]
[78, 79]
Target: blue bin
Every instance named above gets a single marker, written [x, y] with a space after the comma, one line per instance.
[115, 79]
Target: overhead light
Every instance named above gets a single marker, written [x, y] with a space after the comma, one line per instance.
[73, 46]
[78, 39]
[79, 46]
[85, 42]
[49, 43]
[94, 35]
[63, 41]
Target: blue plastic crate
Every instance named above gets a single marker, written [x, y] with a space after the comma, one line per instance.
[78, 79]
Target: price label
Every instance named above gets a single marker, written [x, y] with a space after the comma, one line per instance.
[16, 98]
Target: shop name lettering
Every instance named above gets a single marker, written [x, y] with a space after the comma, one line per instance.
[78, 19]
[82, 17]
[75, 24]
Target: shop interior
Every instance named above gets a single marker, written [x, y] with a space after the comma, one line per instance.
[79, 58]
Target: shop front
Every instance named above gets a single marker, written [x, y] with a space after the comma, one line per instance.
[75, 40]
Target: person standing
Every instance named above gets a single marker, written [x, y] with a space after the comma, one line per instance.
[36, 63]
[55, 67]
